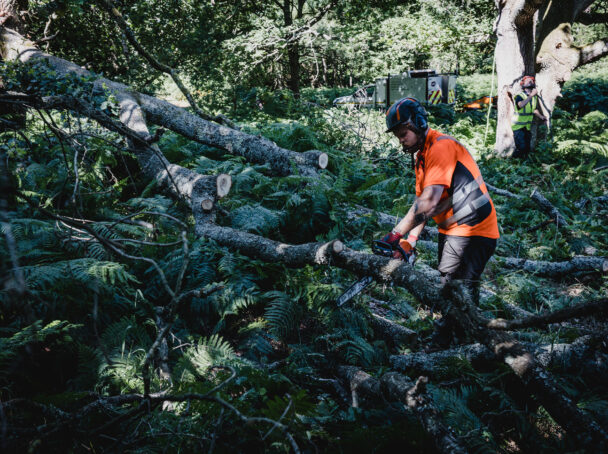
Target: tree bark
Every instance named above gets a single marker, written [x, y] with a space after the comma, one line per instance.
[514, 59]
[581, 357]
[391, 331]
[535, 37]
[137, 108]
[557, 269]
[557, 55]
[395, 387]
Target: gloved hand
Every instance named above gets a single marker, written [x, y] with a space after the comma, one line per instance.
[392, 238]
[405, 251]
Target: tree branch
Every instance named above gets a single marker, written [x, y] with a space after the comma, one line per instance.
[137, 108]
[122, 24]
[454, 300]
[557, 269]
[593, 52]
[580, 310]
[395, 387]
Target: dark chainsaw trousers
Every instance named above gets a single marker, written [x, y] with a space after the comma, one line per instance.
[523, 139]
[463, 258]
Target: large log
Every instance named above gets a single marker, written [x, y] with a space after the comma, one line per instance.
[424, 284]
[134, 106]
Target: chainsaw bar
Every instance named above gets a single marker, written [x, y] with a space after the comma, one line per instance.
[379, 247]
[354, 290]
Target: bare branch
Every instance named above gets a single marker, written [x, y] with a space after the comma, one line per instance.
[122, 24]
[593, 52]
[542, 320]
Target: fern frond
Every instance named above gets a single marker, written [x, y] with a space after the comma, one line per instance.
[257, 219]
[282, 313]
[210, 351]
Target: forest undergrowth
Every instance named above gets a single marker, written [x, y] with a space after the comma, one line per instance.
[266, 339]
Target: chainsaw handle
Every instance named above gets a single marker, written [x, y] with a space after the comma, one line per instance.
[382, 248]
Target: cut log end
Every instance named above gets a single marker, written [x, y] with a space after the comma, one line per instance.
[224, 183]
[323, 160]
[338, 246]
[207, 205]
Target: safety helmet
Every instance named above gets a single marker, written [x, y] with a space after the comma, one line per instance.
[407, 110]
[527, 82]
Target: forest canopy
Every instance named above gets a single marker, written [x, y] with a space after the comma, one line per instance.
[182, 207]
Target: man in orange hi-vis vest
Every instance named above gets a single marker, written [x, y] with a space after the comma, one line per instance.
[449, 189]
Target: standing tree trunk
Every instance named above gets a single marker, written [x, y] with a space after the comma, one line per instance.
[535, 36]
[293, 43]
[557, 55]
[10, 13]
[514, 59]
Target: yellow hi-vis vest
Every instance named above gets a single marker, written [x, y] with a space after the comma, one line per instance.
[522, 118]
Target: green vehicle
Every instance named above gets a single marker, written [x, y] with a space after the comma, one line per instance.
[425, 85]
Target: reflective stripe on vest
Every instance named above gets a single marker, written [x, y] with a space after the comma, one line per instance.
[460, 195]
[522, 118]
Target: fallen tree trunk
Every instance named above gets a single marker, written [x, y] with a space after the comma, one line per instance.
[394, 332]
[437, 364]
[395, 387]
[134, 106]
[580, 357]
[539, 320]
[578, 263]
[200, 191]
[548, 208]
[537, 381]
[455, 302]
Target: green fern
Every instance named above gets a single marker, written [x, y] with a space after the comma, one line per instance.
[11, 346]
[126, 334]
[357, 351]
[256, 218]
[87, 272]
[282, 313]
[211, 351]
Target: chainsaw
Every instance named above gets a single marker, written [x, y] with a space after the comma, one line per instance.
[379, 247]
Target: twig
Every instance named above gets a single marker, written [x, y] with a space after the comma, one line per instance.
[104, 241]
[540, 225]
[289, 404]
[146, 243]
[218, 425]
[45, 39]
